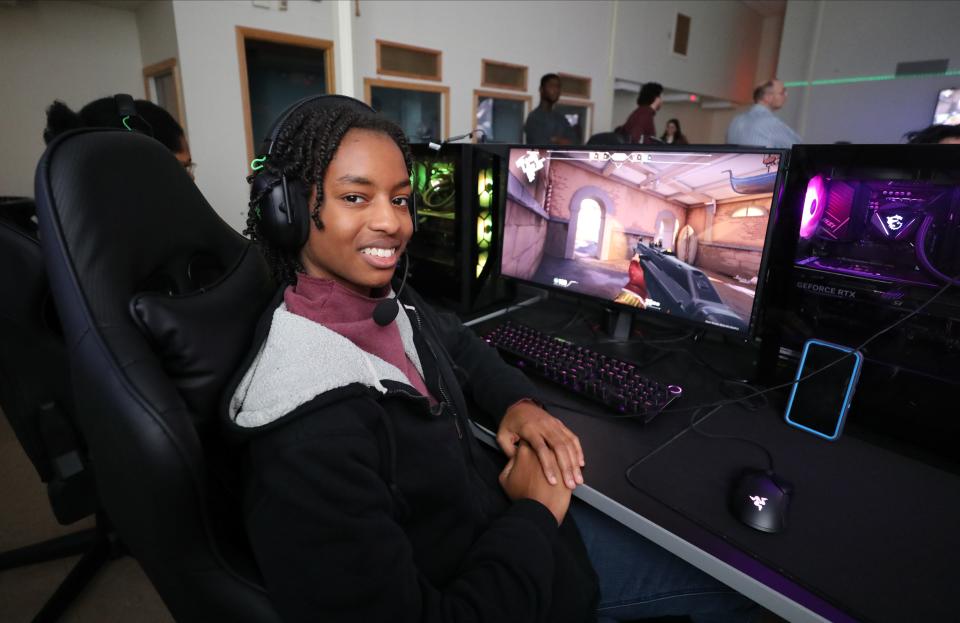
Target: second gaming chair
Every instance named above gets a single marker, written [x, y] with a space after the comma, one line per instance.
[35, 398]
[158, 298]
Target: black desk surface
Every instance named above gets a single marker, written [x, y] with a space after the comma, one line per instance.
[872, 535]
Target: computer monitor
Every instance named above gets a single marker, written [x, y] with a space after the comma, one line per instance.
[947, 111]
[675, 233]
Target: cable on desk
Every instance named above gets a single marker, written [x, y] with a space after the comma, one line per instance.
[764, 392]
[694, 426]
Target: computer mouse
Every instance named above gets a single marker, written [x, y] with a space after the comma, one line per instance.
[759, 498]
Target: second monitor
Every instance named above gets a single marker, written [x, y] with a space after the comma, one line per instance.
[672, 232]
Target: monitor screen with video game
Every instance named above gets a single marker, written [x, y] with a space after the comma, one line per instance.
[947, 111]
[676, 232]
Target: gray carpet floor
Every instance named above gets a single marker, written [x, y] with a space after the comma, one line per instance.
[120, 592]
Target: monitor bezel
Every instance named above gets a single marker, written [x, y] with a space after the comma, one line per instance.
[751, 333]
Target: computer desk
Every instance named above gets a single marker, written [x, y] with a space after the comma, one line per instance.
[872, 535]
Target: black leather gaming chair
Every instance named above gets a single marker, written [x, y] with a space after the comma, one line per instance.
[606, 138]
[35, 397]
[158, 298]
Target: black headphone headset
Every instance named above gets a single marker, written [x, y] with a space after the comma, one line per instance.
[284, 210]
[129, 118]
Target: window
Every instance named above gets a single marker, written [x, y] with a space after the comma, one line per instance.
[748, 211]
[579, 115]
[500, 115]
[681, 34]
[575, 86]
[276, 70]
[503, 75]
[161, 83]
[398, 59]
[422, 110]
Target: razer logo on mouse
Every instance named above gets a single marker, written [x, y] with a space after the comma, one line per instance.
[758, 501]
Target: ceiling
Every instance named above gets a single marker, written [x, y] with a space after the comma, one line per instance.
[686, 178]
[128, 5]
[767, 8]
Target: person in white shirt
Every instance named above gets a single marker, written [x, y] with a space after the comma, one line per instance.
[759, 126]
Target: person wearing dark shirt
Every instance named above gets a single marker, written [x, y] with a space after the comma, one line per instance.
[639, 127]
[673, 135]
[545, 125]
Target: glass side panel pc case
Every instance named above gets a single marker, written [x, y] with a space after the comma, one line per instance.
[454, 252]
[674, 232]
[868, 234]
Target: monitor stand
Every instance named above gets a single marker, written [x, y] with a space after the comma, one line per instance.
[619, 327]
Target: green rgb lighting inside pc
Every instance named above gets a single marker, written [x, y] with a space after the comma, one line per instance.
[455, 191]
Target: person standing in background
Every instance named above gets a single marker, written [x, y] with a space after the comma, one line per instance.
[759, 126]
[639, 127]
[545, 125]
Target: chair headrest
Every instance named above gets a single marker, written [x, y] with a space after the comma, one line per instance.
[152, 268]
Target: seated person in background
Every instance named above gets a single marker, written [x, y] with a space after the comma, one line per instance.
[544, 125]
[103, 113]
[942, 134]
[639, 127]
[759, 126]
[367, 497]
[672, 135]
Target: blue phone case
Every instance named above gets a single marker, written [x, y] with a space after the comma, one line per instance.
[848, 395]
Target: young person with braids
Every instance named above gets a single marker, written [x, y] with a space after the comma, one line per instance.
[367, 497]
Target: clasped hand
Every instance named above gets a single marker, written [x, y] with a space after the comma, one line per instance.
[553, 443]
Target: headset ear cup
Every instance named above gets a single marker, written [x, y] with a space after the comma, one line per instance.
[284, 213]
[298, 200]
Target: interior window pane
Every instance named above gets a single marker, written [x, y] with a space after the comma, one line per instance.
[417, 112]
[278, 75]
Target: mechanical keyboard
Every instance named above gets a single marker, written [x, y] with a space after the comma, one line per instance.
[614, 383]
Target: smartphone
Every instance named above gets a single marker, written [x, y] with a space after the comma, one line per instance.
[819, 404]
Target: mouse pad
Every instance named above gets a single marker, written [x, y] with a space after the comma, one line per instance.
[870, 531]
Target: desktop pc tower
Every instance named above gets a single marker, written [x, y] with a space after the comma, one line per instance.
[866, 253]
[455, 252]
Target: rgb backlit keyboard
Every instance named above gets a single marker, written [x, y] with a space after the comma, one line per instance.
[612, 382]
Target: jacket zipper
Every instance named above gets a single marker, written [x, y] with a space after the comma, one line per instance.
[464, 443]
[443, 391]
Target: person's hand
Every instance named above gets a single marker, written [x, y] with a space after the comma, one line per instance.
[522, 478]
[557, 448]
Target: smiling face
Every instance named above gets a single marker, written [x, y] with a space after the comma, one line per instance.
[365, 214]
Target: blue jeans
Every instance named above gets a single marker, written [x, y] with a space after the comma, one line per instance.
[639, 579]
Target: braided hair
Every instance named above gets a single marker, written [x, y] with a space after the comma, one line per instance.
[303, 150]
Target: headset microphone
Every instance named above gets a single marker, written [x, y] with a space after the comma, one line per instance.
[387, 310]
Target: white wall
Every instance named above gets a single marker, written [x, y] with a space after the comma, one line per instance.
[721, 62]
[842, 39]
[570, 37]
[72, 51]
[210, 72]
[158, 35]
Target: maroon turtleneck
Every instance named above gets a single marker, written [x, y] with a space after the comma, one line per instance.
[350, 314]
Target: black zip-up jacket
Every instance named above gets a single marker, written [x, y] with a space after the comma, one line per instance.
[364, 504]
